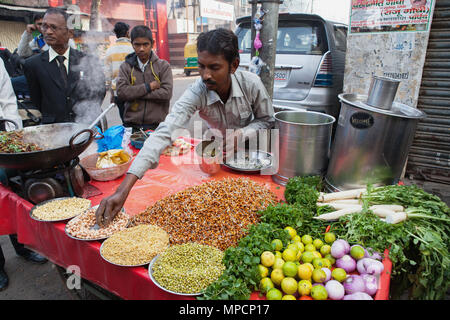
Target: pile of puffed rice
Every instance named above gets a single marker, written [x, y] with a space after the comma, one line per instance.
[60, 209]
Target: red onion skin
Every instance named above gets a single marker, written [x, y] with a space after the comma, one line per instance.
[347, 263]
[354, 284]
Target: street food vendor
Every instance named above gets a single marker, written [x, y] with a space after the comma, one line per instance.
[225, 97]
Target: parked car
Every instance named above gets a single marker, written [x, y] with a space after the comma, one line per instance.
[310, 61]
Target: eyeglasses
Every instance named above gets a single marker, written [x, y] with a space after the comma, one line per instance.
[54, 28]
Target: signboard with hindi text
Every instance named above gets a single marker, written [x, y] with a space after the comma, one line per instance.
[216, 10]
[378, 16]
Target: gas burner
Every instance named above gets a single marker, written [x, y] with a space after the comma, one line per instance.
[40, 185]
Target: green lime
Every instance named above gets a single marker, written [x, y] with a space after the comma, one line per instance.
[265, 285]
[290, 269]
[307, 256]
[267, 259]
[330, 237]
[274, 294]
[319, 293]
[277, 244]
[357, 252]
[288, 297]
[325, 249]
[289, 285]
[289, 255]
[330, 258]
[310, 247]
[263, 271]
[307, 239]
[318, 243]
[339, 274]
[318, 263]
[319, 275]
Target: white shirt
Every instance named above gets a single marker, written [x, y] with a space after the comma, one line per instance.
[142, 66]
[52, 54]
[249, 107]
[8, 101]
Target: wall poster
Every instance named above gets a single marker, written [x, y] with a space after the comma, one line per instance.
[379, 16]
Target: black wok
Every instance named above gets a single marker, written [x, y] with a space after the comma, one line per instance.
[61, 143]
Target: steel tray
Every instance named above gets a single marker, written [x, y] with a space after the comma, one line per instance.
[150, 273]
[48, 201]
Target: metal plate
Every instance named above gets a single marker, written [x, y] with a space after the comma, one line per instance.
[120, 265]
[253, 156]
[51, 200]
[96, 239]
[150, 273]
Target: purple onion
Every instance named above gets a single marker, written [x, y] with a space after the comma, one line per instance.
[328, 273]
[369, 266]
[347, 263]
[358, 296]
[371, 283]
[335, 290]
[353, 284]
[375, 255]
[338, 249]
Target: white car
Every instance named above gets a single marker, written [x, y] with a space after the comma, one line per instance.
[310, 61]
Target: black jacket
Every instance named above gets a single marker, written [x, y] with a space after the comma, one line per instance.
[86, 83]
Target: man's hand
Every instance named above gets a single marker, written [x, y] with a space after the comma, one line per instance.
[154, 85]
[31, 28]
[110, 206]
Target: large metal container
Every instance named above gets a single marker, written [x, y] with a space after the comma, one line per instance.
[303, 145]
[371, 144]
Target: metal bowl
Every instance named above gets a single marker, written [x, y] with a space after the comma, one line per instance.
[209, 164]
[150, 273]
[252, 156]
[51, 200]
[95, 239]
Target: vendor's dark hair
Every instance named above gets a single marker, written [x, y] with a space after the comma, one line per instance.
[58, 11]
[121, 29]
[38, 16]
[219, 41]
[141, 32]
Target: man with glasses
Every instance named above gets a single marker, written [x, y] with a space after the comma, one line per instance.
[66, 85]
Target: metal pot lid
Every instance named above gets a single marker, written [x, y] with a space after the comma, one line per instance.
[398, 109]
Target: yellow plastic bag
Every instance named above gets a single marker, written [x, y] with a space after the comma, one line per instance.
[112, 158]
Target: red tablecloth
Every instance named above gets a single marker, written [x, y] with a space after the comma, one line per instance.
[172, 175]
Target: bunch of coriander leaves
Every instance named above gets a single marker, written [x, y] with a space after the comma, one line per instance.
[241, 276]
[418, 247]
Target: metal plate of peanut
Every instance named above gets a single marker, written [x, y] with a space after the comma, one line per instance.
[82, 226]
[59, 209]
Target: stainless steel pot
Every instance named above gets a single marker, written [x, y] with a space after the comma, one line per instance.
[371, 144]
[304, 144]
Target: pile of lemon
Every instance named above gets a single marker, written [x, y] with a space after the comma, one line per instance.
[290, 272]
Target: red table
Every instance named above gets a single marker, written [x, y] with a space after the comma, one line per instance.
[49, 239]
[172, 175]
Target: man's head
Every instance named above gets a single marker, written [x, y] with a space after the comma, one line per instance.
[37, 21]
[55, 29]
[142, 41]
[121, 29]
[218, 58]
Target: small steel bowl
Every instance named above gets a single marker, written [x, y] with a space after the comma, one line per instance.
[209, 164]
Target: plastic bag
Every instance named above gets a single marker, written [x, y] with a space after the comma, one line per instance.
[112, 139]
[112, 158]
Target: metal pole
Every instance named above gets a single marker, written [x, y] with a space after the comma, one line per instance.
[268, 37]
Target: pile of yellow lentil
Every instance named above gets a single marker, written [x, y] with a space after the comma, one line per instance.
[216, 213]
[135, 246]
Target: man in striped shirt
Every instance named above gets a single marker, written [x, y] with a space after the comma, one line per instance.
[115, 56]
